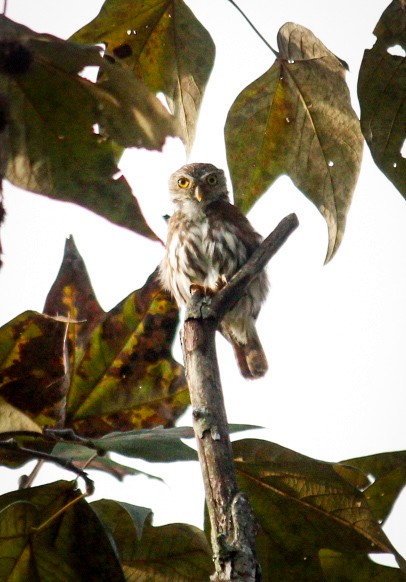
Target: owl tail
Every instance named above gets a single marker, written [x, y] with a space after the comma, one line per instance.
[250, 355]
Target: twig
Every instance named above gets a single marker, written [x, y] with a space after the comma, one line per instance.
[4, 7]
[233, 527]
[11, 445]
[254, 28]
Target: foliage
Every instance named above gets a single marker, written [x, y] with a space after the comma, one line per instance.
[78, 384]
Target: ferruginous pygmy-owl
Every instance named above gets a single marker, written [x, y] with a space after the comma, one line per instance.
[209, 239]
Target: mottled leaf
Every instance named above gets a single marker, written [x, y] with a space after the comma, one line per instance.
[388, 471]
[33, 378]
[303, 505]
[297, 119]
[170, 553]
[126, 377]
[72, 296]
[73, 546]
[382, 95]
[165, 45]
[51, 127]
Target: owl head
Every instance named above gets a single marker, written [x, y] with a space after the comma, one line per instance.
[197, 185]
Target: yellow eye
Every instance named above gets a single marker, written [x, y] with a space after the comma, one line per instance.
[212, 180]
[183, 182]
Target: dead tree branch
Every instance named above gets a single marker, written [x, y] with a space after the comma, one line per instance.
[233, 524]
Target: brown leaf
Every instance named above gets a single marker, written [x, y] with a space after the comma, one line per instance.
[32, 367]
[297, 119]
[382, 96]
[165, 46]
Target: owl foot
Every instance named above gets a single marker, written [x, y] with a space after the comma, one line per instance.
[197, 288]
[221, 282]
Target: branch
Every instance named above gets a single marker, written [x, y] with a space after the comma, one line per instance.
[254, 28]
[11, 445]
[233, 526]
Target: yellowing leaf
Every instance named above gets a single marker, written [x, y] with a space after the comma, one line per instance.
[51, 127]
[126, 377]
[33, 377]
[297, 119]
[382, 96]
[165, 45]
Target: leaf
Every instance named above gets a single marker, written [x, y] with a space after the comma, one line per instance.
[72, 295]
[164, 45]
[297, 119]
[50, 134]
[359, 568]
[32, 370]
[302, 506]
[126, 377]
[389, 473]
[382, 96]
[81, 455]
[170, 553]
[73, 544]
[160, 445]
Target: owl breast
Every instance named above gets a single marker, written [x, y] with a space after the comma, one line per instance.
[200, 251]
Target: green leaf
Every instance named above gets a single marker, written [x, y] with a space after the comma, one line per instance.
[160, 445]
[33, 380]
[126, 377]
[303, 505]
[357, 568]
[381, 92]
[164, 45]
[170, 553]
[71, 546]
[297, 119]
[388, 471]
[52, 119]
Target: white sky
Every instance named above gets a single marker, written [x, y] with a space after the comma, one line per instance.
[335, 335]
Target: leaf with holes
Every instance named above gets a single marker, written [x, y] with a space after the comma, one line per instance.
[297, 119]
[51, 126]
[165, 46]
[382, 96]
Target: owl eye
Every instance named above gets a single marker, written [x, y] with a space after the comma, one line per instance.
[183, 182]
[212, 180]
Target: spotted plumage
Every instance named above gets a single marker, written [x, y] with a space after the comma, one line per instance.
[209, 240]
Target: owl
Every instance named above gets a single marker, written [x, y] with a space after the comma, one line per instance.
[209, 239]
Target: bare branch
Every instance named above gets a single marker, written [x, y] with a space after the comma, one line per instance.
[233, 526]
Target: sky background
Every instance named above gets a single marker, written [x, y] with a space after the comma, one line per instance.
[334, 335]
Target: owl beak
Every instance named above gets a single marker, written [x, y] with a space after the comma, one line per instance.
[198, 194]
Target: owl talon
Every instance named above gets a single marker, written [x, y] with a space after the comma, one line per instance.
[221, 282]
[196, 288]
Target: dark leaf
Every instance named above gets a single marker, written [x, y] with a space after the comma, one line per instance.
[388, 471]
[356, 568]
[51, 155]
[72, 546]
[126, 377]
[303, 505]
[33, 378]
[72, 296]
[297, 120]
[170, 553]
[165, 45]
[382, 96]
